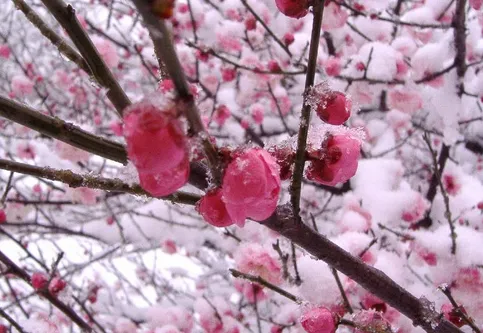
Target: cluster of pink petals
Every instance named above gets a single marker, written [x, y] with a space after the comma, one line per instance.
[405, 100]
[339, 162]
[318, 320]
[257, 260]
[293, 8]
[250, 189]
[157, 146]
[22, 85]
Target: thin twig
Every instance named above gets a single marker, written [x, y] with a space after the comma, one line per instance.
[106, 184]
[263, 282]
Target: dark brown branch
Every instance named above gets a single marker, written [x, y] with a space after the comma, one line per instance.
[68, 311]
[373, 280]
[65, 15]
[63, 131]
[297, 177]
[105, 184]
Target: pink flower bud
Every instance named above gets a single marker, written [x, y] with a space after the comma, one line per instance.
[476, 4]
[293, 8]
[339, 163]
[4, 51]
[3, 216]
[228, 74]
[251, 186]
[222, 113]
[155, 139]
[213, 209]
[318, 320]
[288, 38]
[333, 107]
[332, 66]
[57, 285]
[250, 23]
[39, 280]
[3, 328]
[273, 66]
[22, 85]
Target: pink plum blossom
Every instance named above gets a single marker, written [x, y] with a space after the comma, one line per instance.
[84, 195]
[251, 185]
[405, 100]
[107, 50]
[257, 260]
[339, 163]
[318, 320]
[4, 51]
[333, 66]
[157, 146]
[334, 17]
[222, 114]
[22, 85]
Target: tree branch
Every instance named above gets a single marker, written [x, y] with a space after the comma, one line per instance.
[296, 185]
[65, 15]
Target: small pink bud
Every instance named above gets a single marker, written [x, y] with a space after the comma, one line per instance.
[360, 66]
[57, 285]
[479, 206]
[250, 23]
[293, 8]
[288, 38]
[228, 74]
[39, 280]
[110, 220]
[3, 328]
[318, 320]
[332, 66]
[273, 66]
[162, 183]
[3, 216]
[333, 107]
[4, 51]
[222, 114]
